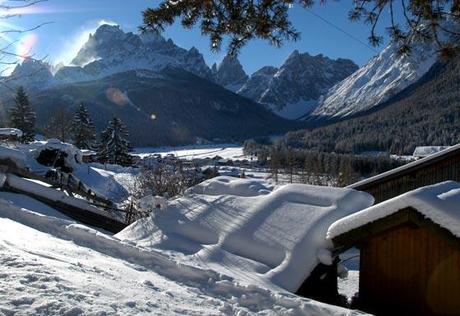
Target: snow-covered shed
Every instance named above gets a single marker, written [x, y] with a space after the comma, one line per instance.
[409, 252]
[441, 166]
[251, 230]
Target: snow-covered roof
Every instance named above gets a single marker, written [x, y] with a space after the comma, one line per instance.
[10, 132]
[440, 203]
[406, 167]
[277, 234]
[424, 151]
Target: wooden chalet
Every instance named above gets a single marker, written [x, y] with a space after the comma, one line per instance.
[442, 166]
[409, 252]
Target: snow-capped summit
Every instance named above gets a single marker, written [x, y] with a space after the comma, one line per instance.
[381, 78]
[294, 89]
[32, 73]
[106, 40]
[229, 73]
[110, 50]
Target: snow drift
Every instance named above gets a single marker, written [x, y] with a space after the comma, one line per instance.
[250, 230]
[53, 266]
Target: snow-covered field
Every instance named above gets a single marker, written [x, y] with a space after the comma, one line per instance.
[226, 151]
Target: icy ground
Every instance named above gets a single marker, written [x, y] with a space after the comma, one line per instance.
[52, 266]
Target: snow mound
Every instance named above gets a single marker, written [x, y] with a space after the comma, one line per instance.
[230, 186]
[250, 230]
[73, 156]
[54, 266]
[439, 203]
[15, 155]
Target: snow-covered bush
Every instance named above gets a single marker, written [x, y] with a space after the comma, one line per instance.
[167, 179]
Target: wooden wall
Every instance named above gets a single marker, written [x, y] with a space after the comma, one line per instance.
[409, 270]
[446, 168]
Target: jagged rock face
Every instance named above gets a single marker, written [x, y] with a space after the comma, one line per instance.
[229, 74]
[110, 51]
[381, 78]
[31, 73]
[258, 83]
[298, 84]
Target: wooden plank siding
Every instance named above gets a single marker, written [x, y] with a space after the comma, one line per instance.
[443, 168]
[409, 270]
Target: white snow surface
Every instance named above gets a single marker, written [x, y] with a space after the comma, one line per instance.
[294, 111]
[50, 193]
[381, 78]
[53, 266]
[247, 229]
[439, 203]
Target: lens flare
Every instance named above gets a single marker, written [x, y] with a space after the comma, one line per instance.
[26, 44]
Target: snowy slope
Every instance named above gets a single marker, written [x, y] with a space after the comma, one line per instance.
[382, 77]
[50, 266]
[250, 230]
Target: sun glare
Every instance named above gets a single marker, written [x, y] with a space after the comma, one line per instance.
[26, 44]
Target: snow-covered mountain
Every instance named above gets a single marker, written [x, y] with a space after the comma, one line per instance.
[110, 51]
[32, 74]
[381, 78]
[294, 89]
[229, 73]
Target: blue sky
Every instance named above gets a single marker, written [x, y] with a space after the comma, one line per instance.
[73, 20]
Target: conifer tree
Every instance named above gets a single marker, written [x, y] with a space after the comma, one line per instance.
[22, 116]
[114, 147]
[84, 131]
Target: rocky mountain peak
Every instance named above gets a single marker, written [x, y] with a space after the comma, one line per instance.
[31, 73]
[294, 89]
[230, 73]
[110, 50]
